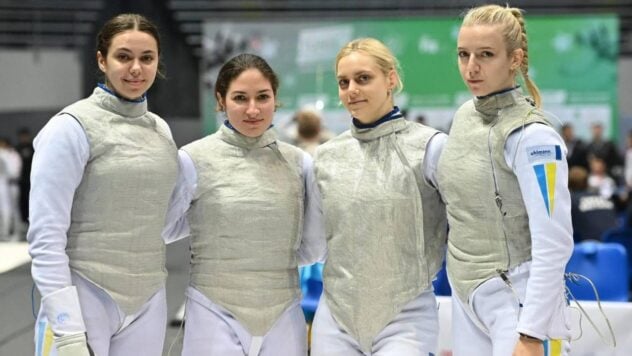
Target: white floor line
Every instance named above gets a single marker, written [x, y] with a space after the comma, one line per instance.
[12, 255]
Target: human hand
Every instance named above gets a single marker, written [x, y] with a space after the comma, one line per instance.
[73, 345]
[528, 347]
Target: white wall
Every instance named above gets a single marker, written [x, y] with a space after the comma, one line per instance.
[39, 80]
[625, 86]
[625, 98]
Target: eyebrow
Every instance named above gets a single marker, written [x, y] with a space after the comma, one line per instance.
[243, 92]
[477, 48]
[360, 72]
[125, 49]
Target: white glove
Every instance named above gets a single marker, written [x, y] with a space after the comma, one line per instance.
[63, 312]
[73, 345]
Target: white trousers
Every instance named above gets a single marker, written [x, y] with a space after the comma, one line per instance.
[110, 331]
[413, 332]
[211, 330]
[487, 326]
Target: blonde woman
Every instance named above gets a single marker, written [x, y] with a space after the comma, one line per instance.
[503, 176]
[385, 222]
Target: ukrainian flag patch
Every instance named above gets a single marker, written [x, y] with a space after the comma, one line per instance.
[545, 170]
[553, 347]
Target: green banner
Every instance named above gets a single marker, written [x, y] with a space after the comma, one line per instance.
[573, 60]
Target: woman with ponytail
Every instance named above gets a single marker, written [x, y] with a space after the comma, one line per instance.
[503, 176]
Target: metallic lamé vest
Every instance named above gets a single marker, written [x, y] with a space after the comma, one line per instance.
[386, 227]
[246, 222]
[119, 208]
[487, 234]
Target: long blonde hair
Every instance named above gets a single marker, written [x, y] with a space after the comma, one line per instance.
[513, 29]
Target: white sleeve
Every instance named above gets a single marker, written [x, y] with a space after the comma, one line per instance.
[176, 225]
[537, 155]
[431, 158]
[61, 154]
[313, 246]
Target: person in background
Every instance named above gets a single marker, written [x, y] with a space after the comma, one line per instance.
[308, 127]
[252, 209]
[421, 119]
[10, 169]
[25, 149]
[504, 178]
[385, 221]
[577, 152]
[628, 162]
[592, 214]
[598, 179]
[103, 171]
[607, 151]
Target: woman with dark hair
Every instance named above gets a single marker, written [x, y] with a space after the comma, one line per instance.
[250, 205]
[102, 175]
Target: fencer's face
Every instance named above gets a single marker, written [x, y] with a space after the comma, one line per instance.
[131, 64]
[485, 65]
[363, 88]
[249, 103]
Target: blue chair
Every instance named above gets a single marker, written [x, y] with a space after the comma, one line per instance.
[441, 284]
[311, 287]
[621, 236]
[605, 264]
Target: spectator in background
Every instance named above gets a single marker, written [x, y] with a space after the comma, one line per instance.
[607, 151]
[577, 152]
[10, 168]
[628, 182]
[598, 180]
[628, 162]
[421, 119]
[25, 150]
[308, 127]
[4, 194]
[592, 214]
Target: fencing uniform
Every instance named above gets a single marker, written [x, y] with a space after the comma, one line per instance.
[252, 209]
[103, 172]
[514, 226]
[386, 230]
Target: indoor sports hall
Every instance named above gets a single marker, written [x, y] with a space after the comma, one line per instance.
[579, 54]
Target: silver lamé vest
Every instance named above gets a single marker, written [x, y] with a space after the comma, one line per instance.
[119, 208]
[385, 225]
[246, 222]
[489, 232]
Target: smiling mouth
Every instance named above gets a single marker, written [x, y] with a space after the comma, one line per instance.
[136, 84]
[356, 102]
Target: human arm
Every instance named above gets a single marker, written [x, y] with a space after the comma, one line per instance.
[431, 158]
[313, 247]
[543, 180]
[528, 347]
[61, 154]
[176, 225]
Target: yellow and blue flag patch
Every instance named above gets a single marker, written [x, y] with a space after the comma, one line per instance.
[544, 160]
[553, 347]
[44, 343]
